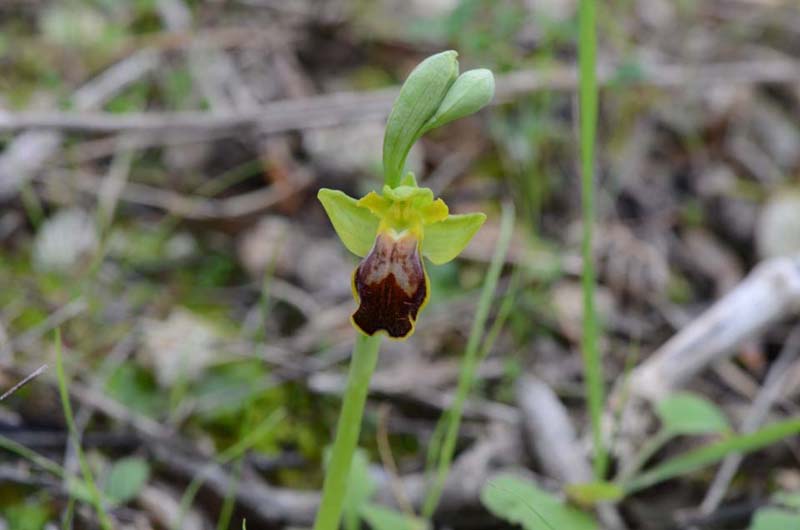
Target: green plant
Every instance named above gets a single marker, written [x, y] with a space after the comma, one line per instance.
[684, 414]
[592, 363]
[88, 478]
[392, 231]
[125, 479]
[712, 453]
[358, 506]
[231, 453]
[473, 355]
[521, 501]
[680, 414]
[782, 513]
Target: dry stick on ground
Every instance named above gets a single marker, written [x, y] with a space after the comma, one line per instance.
[552, 438]
[28, 378]
[191, 206]
[771, 391]
[28, 153]
[389, 462]
[275, 505]
[346, 107]
[220, 83]
[55, 319]
[550, 433]
[419, 392]
[770, 292]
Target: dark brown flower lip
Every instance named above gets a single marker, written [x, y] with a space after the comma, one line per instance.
[390, 286]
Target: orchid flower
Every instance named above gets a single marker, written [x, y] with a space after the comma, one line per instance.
[393, 230]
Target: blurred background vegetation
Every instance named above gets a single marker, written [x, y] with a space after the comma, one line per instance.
[201, 294]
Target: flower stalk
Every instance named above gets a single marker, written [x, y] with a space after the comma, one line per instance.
[362, 364]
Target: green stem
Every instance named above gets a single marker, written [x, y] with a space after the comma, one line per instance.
[362, 364]
[588, 124]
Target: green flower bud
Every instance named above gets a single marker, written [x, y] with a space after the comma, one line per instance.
[417, 102]
[472, 91]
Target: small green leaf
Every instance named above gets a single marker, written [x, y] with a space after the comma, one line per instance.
[380, 518]
[28, 515]
[445, 240]
[472, 91]
[591, 493]
[520, 501]
[360, 488]
[126, 479]
[354, 225]
[418, 100]
[787, 499]
[686, 413]
[775, 519]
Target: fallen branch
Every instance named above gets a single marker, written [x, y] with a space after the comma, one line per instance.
[336, 109]
[550, 434]
[773, 389]
[195, 206]
[271, 505]
[28, 153]
[770, 292]
[552, 438]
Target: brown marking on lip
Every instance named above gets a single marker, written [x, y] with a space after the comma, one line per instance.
[391, 287]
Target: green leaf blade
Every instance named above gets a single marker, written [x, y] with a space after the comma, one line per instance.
[522, 502]
[380, 518]
[710, 454]
[687, 413]
[360, 488]
[126, 479]
[775, 519]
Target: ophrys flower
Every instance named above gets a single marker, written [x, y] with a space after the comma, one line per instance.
[393, 231]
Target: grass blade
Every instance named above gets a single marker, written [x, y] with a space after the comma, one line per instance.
[88, 478]
[710, 454]
[469, 366]
[593, 371]
[231, 453]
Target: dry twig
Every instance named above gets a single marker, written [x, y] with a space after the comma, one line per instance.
[24, 382]
[347, 107]
[769, 293]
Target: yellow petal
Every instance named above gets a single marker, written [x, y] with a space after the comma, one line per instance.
[375, 203]
[436, 211]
